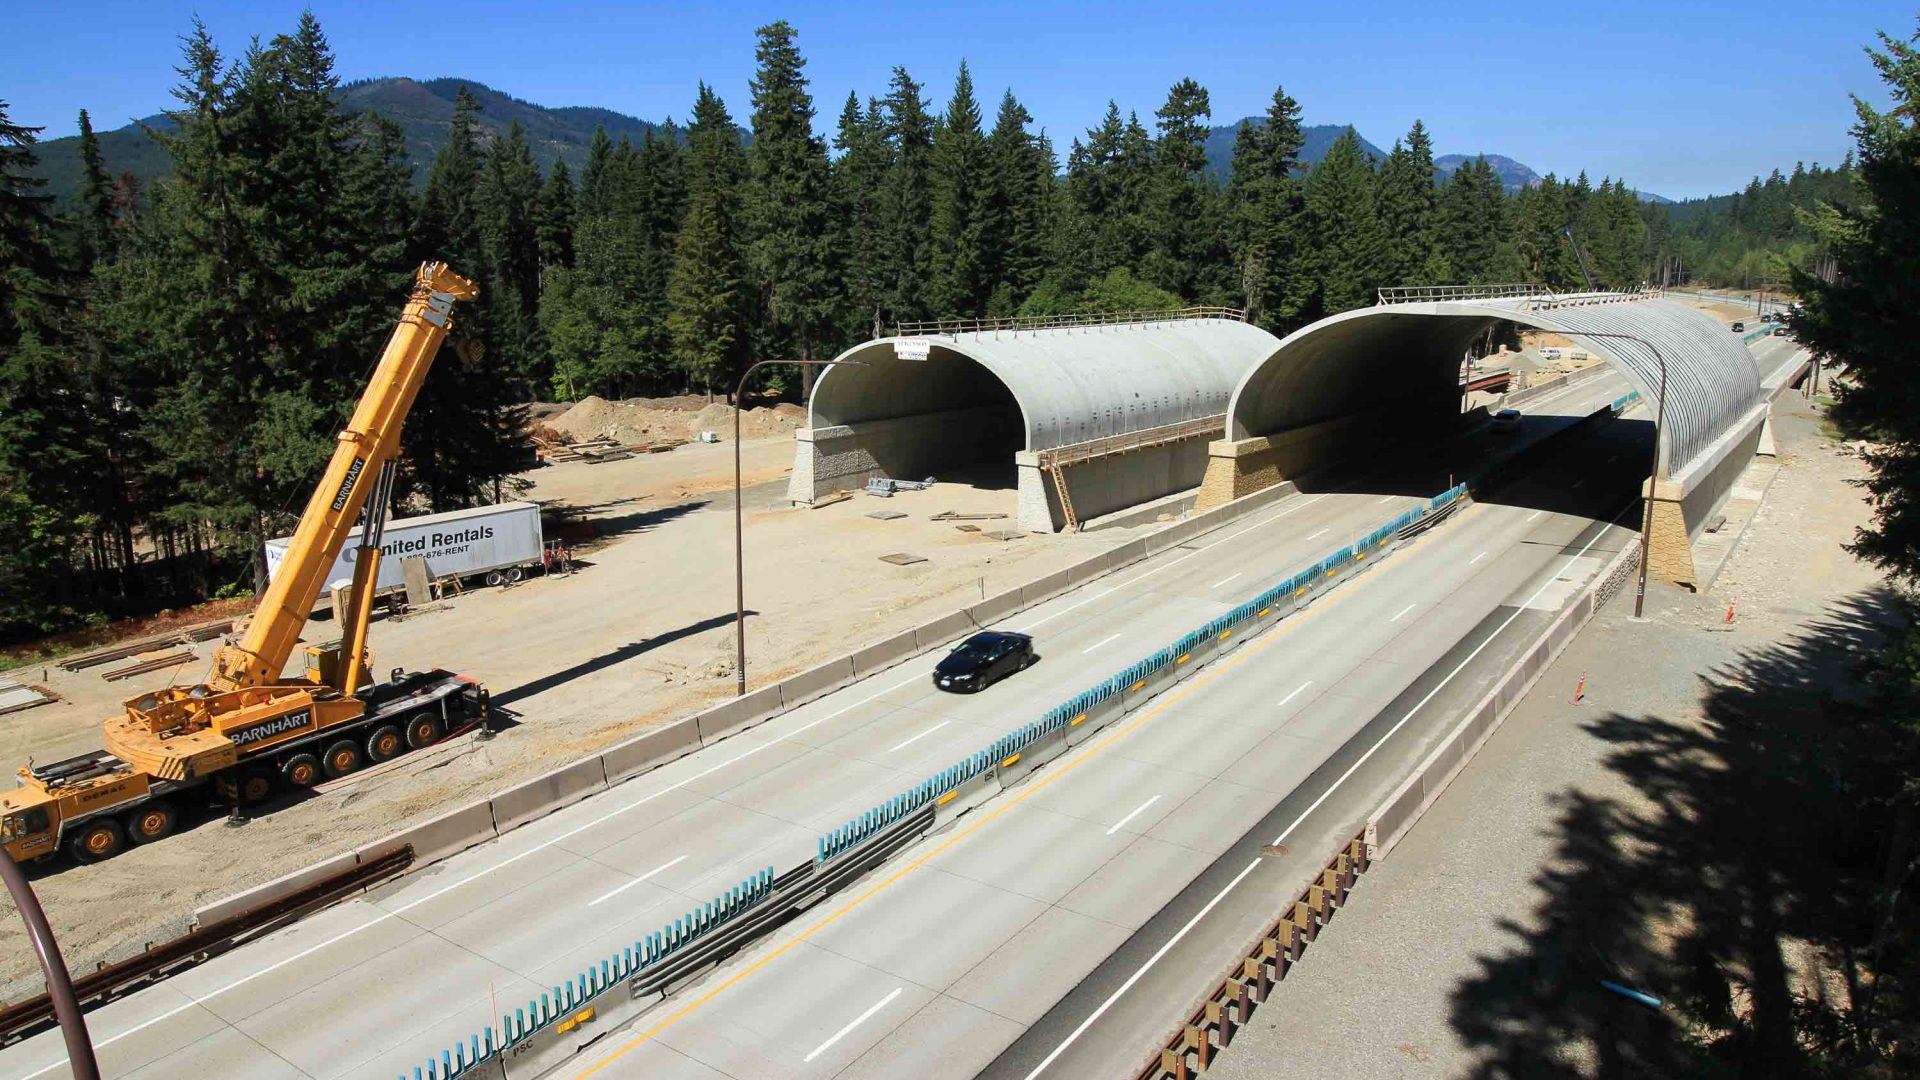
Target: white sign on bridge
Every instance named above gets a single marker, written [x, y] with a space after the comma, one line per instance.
[912, 348]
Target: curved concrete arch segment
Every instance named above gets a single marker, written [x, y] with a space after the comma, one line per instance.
[1115, 414]
[1072, 384]
[1406, 354]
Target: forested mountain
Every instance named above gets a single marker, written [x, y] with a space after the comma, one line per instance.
[178, 350]
[422, 109]
[1317, 139]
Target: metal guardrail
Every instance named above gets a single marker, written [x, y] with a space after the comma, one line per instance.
[1592, 299]
[1426, 294]
[1057, 322]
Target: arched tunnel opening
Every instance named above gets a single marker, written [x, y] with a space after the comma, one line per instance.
[946, 416]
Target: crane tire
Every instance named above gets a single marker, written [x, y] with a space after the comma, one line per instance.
[341, 758]
[97, 840]
[423, 730]
[256, 784]
[151, 821]
[386, 743]
[301, 770]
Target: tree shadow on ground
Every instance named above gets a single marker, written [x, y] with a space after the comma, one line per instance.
[1737, 884]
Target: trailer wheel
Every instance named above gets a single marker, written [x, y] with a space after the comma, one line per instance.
[495, 578]
[154, 821]
[342, 758]
[97, 840]
[423, 730]
[301, 770]
[385, 744]
[514, 574]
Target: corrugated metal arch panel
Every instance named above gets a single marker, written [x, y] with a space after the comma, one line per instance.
[1072, 384]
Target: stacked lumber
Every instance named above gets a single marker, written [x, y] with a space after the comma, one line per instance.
[151, 664]
[593, 451]
[125, 649]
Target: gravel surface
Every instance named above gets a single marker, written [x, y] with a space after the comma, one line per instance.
[1474, 948]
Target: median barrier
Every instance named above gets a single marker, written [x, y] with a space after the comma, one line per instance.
[441, 836]
[994, 608]
[650, 749]
[275, 889]
[544, 794]
[930, 636]
[875, 657]
[966, 795]
[733, 717]
[1033, 755]
[1046, 588]
[817, 682]
[1097, 716]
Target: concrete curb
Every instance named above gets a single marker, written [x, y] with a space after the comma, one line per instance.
[1398, 813]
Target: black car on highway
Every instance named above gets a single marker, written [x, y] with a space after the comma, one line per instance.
[984, 659]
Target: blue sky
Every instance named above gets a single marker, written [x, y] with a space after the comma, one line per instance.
[1682, 98]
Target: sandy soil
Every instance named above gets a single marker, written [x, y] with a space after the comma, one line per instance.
[642, 419]
[642, 633]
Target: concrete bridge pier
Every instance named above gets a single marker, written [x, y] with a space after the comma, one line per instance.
[1686, 503]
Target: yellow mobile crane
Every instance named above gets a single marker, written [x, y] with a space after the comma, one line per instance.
[248, 728]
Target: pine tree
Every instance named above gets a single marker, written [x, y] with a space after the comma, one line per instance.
[44, 437]
[787, 204]
[593, 177]
[94, 206]
[962, 199]
[859, 179]
[1349, 246]
[1407, 199]
[1266, 213]
[558, 200]
[706, 299]
[507, 202]
[905, 255]
[1020, 193]
[462, 439]
[1182, 205]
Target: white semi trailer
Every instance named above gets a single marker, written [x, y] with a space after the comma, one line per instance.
[498, 543]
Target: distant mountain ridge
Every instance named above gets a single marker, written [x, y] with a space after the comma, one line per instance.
[422, 108]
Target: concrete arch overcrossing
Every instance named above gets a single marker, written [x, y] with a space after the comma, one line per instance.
[1032, 396]
[1329, 389]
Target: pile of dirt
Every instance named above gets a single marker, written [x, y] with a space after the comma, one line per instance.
[645, 419]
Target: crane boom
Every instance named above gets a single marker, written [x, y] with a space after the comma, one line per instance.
[369, 442]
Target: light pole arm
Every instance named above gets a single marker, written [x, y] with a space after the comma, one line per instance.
[66, 1007]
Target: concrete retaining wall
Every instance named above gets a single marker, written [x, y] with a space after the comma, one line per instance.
[544, 794]
[1109, 484]
[845, 457]
[651, 749]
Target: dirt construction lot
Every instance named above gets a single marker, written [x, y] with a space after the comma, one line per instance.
[642, 633]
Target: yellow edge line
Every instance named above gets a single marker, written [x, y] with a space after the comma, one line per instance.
[1031, 789]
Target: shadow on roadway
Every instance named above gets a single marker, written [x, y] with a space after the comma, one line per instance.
[1753, 882]
[608, 659]
[1555, 469]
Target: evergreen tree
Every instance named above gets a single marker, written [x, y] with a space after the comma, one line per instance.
[1407, 202]
[905, 254]
[788, 202]
[558, 200]
[94, 206]
[1349, 246]
[859, 179]
[962, 200]
[706, 298]
[507, 203]
[463, 438]
[594, 197]
[1267, 216]
[1182, 204]
[1020, 194]
[44, 443]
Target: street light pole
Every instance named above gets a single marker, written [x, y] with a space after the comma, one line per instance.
[739, 531]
